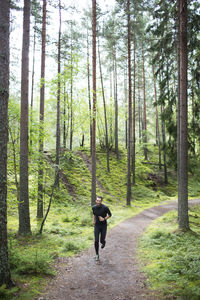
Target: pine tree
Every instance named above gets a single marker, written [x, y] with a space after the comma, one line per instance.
[93, 195]
[24, 214]
[5, 276]
[128, 195]
[41, 129]
[182, 133]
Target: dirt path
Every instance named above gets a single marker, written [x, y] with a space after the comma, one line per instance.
[117, 275]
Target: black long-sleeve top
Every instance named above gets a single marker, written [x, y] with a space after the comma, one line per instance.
[102, 211]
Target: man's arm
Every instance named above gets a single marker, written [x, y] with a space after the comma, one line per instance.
[108, 215]
[93, 219]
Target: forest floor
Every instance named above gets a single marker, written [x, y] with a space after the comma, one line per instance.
[117, 275]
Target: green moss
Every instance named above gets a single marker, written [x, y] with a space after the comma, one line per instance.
[171, 258]
[68, 228]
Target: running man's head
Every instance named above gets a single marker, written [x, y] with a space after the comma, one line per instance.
[99, 200]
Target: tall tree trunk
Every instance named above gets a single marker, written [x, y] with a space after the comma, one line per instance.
[15, 164]
[41, 128]
[193, 116]
[164, 148]
[144, 107]
[93, 196]
[104, 106]
[125, 105]
[58, 100]
[71, 105]
[89, 97]
[64, 118]
[183, 137]
[157, 120]
[24, 214]
[111, 104]
[139, 111]
[133, 122]
[32, 88]
[128, 195]
[116, 104]
[5, 276]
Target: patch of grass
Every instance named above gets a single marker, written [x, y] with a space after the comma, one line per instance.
[171, 258]
[70, 246]
[69, 228]
[7, 293]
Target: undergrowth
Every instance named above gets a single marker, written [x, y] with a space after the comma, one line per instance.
[68, 229]
[171, 258]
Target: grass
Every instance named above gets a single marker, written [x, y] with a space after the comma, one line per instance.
[68, 229]
[171, 259]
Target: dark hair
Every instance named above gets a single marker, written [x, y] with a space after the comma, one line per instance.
[100, 197]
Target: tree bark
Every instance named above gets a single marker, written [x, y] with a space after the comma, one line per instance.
[93, 195]
[125, 115]
[157, 120]
[182, 133]
[58, 100]
[89, 96]
[104, 106]
[5, 276]
[41, 127]
[64, 119]
[71, 95]
[128, 195]
[32, 89]
[164, 147]
[133, 122]
[24, 214]
[116, 104]
[111, 114]
[144, 107]
[139, 111]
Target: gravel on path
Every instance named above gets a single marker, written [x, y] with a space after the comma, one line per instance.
[116, 276]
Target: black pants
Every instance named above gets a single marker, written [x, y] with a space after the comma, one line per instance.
[99, 229]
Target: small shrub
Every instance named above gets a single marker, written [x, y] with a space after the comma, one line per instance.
[37, 262]
[7, 293]
[70, 246]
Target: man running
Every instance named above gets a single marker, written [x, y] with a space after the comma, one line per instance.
[101, 214]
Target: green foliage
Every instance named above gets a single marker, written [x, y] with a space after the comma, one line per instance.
[37, 262]
[69, 228]
[7, 293]
[70, 246]
[171, 258]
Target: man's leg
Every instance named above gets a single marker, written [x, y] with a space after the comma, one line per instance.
[96, 236]
[103, 235]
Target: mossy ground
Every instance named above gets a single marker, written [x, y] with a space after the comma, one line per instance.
[68, 228]
[171, 258]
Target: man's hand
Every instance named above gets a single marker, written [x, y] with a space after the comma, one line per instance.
[101, 219]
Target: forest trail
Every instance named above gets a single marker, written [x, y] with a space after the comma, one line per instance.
[117, 275]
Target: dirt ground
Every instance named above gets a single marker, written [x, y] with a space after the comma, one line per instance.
[116, 276]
